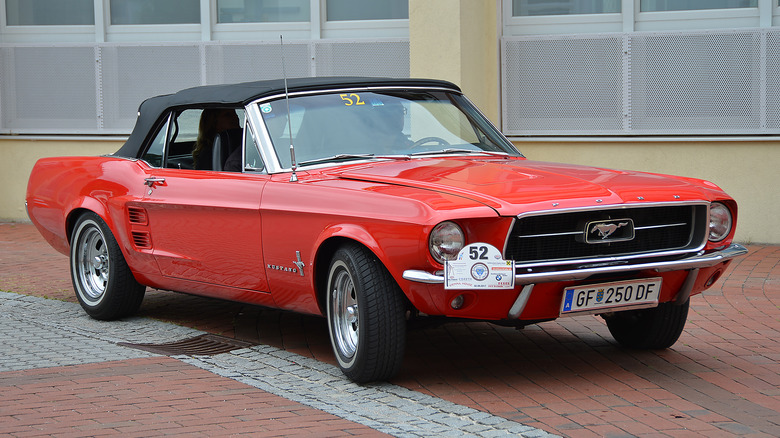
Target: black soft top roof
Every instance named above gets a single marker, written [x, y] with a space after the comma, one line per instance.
[152, 109]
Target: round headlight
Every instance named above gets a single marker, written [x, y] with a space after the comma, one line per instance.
[446, 241]
[720, 222]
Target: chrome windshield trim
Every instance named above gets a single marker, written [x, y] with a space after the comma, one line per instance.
[696, 261]
[341, 90]
[269, 153]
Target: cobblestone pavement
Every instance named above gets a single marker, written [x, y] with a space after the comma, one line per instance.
[39, 333]
[566, 377]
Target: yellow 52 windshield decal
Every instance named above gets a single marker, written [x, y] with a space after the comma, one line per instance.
[352, 99]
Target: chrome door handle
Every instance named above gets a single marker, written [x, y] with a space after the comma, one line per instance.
[152, 181]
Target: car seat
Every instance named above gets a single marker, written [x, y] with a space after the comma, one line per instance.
[225, 142]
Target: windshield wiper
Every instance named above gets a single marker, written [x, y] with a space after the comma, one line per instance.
[349, 157]
[338, 157]
[461, 151]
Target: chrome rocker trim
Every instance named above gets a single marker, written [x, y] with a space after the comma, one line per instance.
[697, 261]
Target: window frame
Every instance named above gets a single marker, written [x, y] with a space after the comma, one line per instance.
[630, 19]
[208, 29]
[4, 16]
[163, 124]
[166, 123]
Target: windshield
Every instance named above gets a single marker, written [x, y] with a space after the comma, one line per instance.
[364, 124]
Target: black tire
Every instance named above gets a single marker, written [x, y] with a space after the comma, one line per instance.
[366, 315]
[649, 329]
[104, 284]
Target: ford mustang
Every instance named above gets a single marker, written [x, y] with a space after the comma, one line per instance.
[373, 202]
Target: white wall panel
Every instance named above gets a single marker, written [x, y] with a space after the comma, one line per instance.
[362, 58]
[130, 74]
[96, 88]
[48, 89]
[562, 84]
[643, 83]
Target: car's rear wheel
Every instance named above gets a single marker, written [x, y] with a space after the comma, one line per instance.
[104, 284]
[651, 329]
[366, 315]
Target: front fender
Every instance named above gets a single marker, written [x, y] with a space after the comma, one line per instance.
[351, 232]
[334, 236]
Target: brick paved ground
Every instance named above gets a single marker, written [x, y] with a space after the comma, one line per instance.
[152, 396]
[567, 377]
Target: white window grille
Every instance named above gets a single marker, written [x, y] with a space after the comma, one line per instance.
[97, 88]
[643, 83]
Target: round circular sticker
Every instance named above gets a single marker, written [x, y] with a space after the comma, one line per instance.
[479, 271]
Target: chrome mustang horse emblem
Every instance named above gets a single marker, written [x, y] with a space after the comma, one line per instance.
[606, 229]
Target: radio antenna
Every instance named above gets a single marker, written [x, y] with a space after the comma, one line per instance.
[294, 165]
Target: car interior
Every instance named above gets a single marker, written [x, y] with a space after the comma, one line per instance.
[181, 146]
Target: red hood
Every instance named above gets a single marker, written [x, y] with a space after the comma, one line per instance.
[512, 186]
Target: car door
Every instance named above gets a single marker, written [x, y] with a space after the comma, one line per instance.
[205, 225]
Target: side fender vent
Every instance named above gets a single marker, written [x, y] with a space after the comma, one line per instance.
[142, 239]
[137, 215]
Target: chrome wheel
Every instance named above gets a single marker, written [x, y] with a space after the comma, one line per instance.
[104, 284]
[92, 263]
[344, 312]
[366, 315]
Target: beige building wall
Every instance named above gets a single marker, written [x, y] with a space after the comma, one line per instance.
[19, 154]
[457, 40]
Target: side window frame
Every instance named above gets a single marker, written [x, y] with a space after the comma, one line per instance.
[182, 130]
[160, 146]
[164, 127]
[249, 134]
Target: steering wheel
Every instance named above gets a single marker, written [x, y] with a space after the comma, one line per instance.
[438, 140]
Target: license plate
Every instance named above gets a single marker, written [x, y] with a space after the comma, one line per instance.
[620, 295]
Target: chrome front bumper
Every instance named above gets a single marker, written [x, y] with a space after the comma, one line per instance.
[699, 260]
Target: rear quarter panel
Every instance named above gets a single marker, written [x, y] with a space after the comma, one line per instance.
[60, 187]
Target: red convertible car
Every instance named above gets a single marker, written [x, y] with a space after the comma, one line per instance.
[373, 202]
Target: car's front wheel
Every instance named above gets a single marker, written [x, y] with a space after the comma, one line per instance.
[104, 284]
[651, 329]
[366, 315]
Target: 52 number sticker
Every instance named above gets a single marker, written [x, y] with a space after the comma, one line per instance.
[478, 252]
[479, 266]
[351, 99]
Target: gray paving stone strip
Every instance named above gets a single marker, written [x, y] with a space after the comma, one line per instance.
[40, 333]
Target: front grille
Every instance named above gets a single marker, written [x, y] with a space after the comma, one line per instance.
[561, 236]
